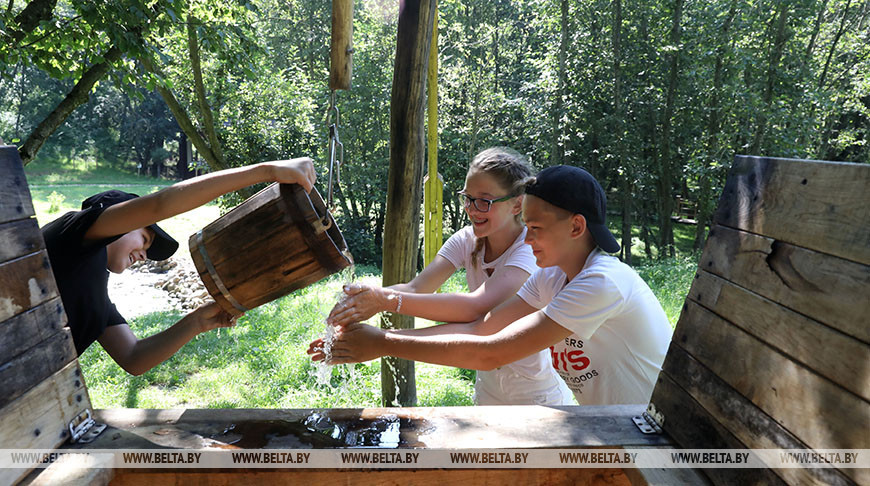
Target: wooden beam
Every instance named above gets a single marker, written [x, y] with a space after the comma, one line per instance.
[19, 238]
[820, 413]
[25, 283]
[402, 225]
[15, 200]
[341, 47]
[703, 412]
[39, 418]
[817, 205]
[812, 283]
[29, 328]
[832, 354]
[28, 369]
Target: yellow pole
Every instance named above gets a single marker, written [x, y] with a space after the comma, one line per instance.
[433, 183]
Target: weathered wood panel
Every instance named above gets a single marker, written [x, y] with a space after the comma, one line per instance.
[15, 201]
[817, 205]
[25, 283]
[436, 477]
[29, 328]
[39, 418]
[732, 411]
[19, 238]
[821, 414]
[831, 290]
[29, 368]
[828, 352]
[692, 427]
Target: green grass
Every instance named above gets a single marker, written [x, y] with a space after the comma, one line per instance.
[261, 363]
[61, 172]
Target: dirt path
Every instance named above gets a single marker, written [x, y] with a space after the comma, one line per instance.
[156, 286]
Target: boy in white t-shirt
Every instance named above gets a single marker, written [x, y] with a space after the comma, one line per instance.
[606, 332]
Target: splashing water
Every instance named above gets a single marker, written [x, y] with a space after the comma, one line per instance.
[324, 370]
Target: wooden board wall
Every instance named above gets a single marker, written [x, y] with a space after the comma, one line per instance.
[41, 387]
[772, 349]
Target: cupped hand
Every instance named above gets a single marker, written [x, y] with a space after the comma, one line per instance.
[294, 171]
[353, 343]
[360, 303]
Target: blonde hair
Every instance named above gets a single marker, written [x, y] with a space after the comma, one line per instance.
[510, 169]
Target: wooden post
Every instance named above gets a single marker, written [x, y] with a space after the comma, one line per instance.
[433, 183]
[404, 194]
[341, 50]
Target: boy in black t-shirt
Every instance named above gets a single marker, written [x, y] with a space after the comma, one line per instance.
[115, 229]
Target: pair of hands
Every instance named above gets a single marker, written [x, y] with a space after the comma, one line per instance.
[353, 341]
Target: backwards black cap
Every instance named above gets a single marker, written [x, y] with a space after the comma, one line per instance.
[163, 245]
[575, 190]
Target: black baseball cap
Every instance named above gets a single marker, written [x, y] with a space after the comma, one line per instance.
[163, 245]
[575, 190]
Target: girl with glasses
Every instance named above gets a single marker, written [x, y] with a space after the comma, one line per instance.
[497, 263]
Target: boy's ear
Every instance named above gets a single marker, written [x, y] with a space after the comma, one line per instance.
[578, 225]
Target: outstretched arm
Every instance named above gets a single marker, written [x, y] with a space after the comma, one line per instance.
[192, 193]
[484, 345]
[419, 300]
[137, 356]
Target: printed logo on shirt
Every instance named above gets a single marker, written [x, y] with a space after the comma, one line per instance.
[572, 365]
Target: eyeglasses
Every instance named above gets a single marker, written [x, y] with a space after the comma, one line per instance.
[481, 204]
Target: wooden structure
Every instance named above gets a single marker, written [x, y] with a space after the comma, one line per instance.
[404, 191]
[41, 385]
[277, 241]
[771, 351]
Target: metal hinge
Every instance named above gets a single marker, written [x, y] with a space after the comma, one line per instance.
[84, 429]
[651, 421]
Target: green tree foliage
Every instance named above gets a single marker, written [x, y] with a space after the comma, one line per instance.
[654, 98]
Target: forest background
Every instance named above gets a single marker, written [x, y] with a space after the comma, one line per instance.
[653, 97]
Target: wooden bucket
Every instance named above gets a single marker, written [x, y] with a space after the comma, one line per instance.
[279, 240]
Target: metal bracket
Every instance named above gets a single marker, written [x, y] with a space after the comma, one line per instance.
[83, 429]
[651, 421]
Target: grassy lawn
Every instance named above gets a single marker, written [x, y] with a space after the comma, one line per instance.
[262, 363]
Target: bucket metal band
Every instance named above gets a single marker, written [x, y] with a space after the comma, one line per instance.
[214, 275]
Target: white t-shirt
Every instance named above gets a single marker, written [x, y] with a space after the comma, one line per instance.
[531, 380]
[621, 334]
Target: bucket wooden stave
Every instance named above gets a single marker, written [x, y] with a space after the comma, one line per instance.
[279, 240]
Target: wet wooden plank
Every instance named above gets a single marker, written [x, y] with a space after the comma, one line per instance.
[25, 283]
[28, 369]
[436, 427]
[830, 353]
[25, 330]
[19, 238]
[820, 413]
[817, 205]
[433, 477]
[693, 427]
[15, 201]
[829, 289]
[689, 382]
[39, 418]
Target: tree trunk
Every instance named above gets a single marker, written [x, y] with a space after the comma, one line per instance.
[666, 201]
[557, 151]
[780, 23]
[405, 190]
[714, 126]
[816, 27]
[199, 89]
[624, 175]
[834, 44]
[77, 96]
